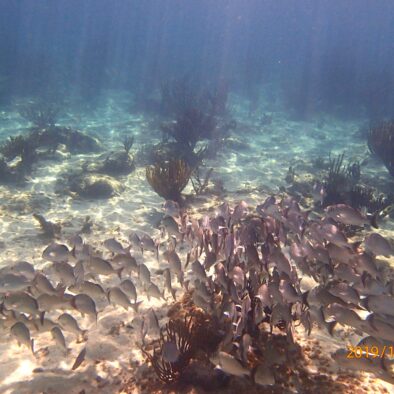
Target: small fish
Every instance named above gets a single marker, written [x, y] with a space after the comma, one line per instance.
[58, 336]
[94, 290]
[345, 214]
[135, 240]
[22, 302]
[171, 226]
[230, 364]
[167, 278]
[117, 297]
[114, 246]
[65, 273]
[319, 193]
[99, 266]
[263, 376]
[43, 285]
[382, 304]
[170, 352]
[85, 305]
[171, 208]
[128, 287]
[12, 282]
[22, 335]
[152, 323]
[199, 270]
[56, 253]
[153, 291]
[67, 322]
[79, 360]
[147, 243]
[22, 268]
[175, 264]
[144, 274]
[125, 261]
[50, 302]
[378, 245]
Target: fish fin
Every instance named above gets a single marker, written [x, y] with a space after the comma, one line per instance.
[79, 360]
[304, 298]
[42, 314]
[32, 346]
[119, 272]
[330, 327]
[374, 219]
[136, 305]
[364, 303]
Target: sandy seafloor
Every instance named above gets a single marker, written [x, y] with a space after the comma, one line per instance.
[250, 174]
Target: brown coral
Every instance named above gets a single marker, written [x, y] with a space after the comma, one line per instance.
[181, 334]
[169, 178]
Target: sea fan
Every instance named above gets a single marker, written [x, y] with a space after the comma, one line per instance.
[169, 178]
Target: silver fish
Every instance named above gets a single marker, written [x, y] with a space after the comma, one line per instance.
[382, 304]
[56, 253]
[144, 274]
[58, 336]
[170, 352]
[125, 261]
[114, 246]
[12, 282]
[99, 266]
[85, 305]
[94, 290]
[153, 291]
[67, 322]
[65, 273]
[230, 364]
[199, 270]
[22, 334]
[168, 284]
[43, 285]
[346, 215]
[128, 287]
[175, 264]
[152, 323]
[378, 245]
[117, 297]
[171, 208]
[50, 302]
[263, 376]
[79, 360]
[22, 302]
[22, 268]
[171, 226]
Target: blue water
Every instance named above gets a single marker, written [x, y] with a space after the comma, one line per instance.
[331, 56]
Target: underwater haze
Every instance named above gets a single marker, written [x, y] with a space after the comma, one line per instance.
[196, 196]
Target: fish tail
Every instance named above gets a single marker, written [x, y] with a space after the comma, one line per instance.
[330, 327]
[374, 219]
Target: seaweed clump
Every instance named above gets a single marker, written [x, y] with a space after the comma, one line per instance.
[169, 178]
[178, 336]
[41, 114]
[381, 143]
[341, 180]
[191, 127]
